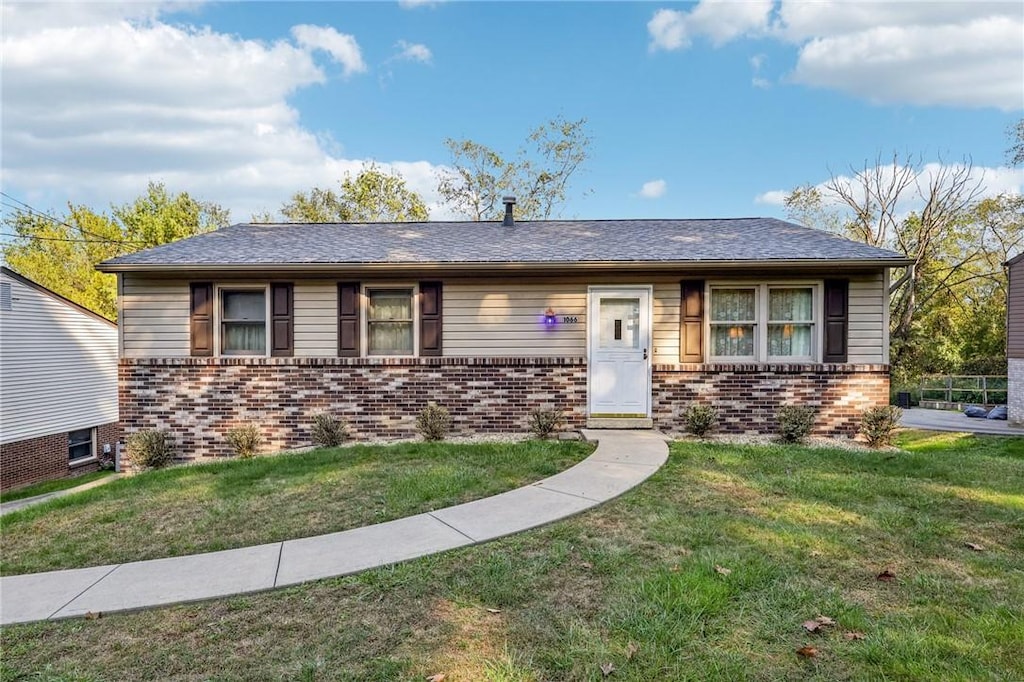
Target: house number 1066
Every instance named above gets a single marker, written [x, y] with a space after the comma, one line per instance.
[570, 319]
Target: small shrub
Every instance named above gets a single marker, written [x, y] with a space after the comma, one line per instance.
[328, 430]
[795, 422]
[244, 440]
[700, 420]
[545, 422]
[879, 424]
[434, 422]
[149, 449]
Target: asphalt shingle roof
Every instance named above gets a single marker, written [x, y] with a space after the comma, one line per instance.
[552, 241]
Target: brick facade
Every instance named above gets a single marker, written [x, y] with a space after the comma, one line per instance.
[1015, 391]
[199, 399]
[748, 396]
[45, 458]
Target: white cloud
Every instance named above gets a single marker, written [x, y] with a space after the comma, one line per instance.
[775, 197]
[967, 54]
[342, 47]
[415, 52]
[93, 111]
[719, 20]
[653, 189]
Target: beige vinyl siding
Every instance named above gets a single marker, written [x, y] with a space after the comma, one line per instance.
[666, 322]
[316, 319]
[1015, 312]
[507, 319]
[154, 317]
[868, 333]
[58, 367]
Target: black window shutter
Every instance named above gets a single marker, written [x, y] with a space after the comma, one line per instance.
[348, 319]
[430, 318]
[282, 320]
[691, 321]
[837, 319]
[201, 318]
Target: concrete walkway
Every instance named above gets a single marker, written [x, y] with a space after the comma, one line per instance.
[622, 460]
[15, 505]
[945, 420]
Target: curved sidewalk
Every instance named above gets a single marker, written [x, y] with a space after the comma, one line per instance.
[622, 460]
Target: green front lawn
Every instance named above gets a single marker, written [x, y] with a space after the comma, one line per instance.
[705, 572]
[52, 486]
[235, 503]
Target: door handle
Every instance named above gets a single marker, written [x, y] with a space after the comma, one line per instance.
[645, 353]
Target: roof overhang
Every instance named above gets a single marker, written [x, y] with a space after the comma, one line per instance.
[485, 267]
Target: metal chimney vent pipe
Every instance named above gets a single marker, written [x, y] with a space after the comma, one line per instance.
[509, 219]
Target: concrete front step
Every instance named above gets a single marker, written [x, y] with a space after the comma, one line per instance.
[620, 423]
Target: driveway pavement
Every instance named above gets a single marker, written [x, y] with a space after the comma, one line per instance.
[622, 460]
[944, 420]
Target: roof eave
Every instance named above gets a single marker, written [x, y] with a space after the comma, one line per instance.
[852, 263]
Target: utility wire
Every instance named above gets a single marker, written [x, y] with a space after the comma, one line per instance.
[22, 206]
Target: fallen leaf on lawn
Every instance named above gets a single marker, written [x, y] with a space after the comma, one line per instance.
[722, 570]
[439, 677]
[807, 651]
[493, 610]
[825, 620]
[586, 564]
[675, 568]
[886, 575]
[811, 625]
[631, 650]
[975, 547]
[93, 615]
[854, 635]
[607, 669]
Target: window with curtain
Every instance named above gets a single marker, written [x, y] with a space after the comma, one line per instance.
[733, 321]
[790, 322]
[243, 328]
[389, 320]
[762, 323]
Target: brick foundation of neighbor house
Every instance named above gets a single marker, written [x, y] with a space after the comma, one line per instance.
[1015, 391]
[45, 458]
[198, 400]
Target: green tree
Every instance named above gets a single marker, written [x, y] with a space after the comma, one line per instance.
[947, 313]
[369, 197]
[538, 176]
[61, 251]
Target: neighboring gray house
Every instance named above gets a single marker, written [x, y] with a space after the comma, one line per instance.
[58, 384]
[1015, 340]
[618, 322]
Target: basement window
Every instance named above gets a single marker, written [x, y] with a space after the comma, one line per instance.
[81, 444]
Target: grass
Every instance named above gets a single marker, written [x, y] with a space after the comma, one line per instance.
[797, 532]
[52, 486]
[235, 503]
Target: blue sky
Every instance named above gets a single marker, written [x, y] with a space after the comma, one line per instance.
[714, 108]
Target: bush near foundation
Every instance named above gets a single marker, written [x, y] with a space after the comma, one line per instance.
[244, 440]
[434, 422]
[328, 430]
[700, 420]
[545, 422]
[795, 422]
[149, 449]
[879, 424]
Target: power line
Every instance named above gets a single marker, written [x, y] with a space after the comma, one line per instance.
[22, 206]
[58, 239]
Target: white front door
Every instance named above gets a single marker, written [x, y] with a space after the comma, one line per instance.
[620, 343]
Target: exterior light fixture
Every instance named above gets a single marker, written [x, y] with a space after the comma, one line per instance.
[549, 317]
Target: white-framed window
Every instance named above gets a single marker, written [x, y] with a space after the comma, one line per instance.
[390, 314]
[770, 322]
[81, 444]
[243, 313]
